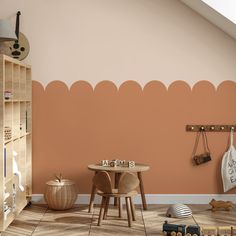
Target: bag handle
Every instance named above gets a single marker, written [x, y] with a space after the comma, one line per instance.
[205, 142]
[196, 144]
[231, 137]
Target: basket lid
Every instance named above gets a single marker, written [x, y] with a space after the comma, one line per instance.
[62, 183]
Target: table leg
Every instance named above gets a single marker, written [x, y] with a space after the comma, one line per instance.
[117, 178]
[92, 196]
[142, 190]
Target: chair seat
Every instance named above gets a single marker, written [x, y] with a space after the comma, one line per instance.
[116, 194]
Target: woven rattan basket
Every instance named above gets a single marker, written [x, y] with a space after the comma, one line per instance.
[60, 195]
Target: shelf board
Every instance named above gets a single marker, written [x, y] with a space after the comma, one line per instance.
[7, 141]
[16, 100]
[15, 138]
[14, 61]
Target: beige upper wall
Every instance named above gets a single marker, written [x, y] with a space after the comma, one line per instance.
[121, 40]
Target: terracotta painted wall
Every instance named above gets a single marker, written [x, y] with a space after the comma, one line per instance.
[96, 67]
[76, 127]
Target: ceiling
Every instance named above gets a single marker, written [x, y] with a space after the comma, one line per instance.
[213, 15]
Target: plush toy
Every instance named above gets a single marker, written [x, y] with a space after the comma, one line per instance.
[220, 205]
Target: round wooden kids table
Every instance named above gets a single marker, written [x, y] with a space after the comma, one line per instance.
[118, 170]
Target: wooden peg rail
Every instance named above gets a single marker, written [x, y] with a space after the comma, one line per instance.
[210, 128]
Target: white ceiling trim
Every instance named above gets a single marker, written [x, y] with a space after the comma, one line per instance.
[225, 7]
[213, 16]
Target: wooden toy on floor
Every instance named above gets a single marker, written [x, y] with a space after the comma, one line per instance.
[233, 232]
[220, 205]
[195, 230]
[209, 231]
[225, 230]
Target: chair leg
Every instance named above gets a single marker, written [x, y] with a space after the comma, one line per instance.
[106, 208]
[132, 209]
[101, 210]
[117, 179]
[92, 196]
[128, 211]
[120, 207]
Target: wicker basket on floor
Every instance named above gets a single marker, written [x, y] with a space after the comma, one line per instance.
[60, 195]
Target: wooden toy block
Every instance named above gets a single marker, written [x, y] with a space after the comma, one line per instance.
[121, 162]
[113, 163]
[233, 232]
[209, 231]
[105, 163]
[224, 230]
[131, 164]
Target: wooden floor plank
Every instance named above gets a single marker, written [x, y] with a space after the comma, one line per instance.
[38, 220]
[26, 222]
[75, 221]
[114, 225]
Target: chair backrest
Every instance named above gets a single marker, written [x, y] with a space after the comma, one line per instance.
[102, 181]
[128, 182]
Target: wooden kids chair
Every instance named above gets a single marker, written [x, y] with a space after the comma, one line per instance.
[126, 188]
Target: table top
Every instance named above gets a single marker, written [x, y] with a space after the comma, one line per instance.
[138, 168]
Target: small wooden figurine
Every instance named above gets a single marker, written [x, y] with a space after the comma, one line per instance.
[220, 205]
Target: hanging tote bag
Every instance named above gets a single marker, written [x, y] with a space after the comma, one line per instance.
[206, 155]
[228, 166]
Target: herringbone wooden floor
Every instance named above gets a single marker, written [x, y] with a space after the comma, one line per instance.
[38, 220]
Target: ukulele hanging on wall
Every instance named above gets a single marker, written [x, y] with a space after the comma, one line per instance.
[19, 49]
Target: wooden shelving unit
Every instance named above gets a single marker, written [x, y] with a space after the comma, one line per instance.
[15, 138]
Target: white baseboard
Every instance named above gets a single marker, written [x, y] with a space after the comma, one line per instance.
[155, 198]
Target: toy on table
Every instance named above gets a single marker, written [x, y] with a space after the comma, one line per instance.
[115, 163]
[220, 205]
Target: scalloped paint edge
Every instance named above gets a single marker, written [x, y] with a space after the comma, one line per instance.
[158, 82]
